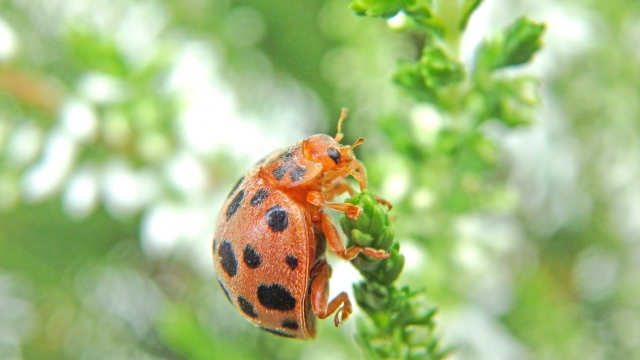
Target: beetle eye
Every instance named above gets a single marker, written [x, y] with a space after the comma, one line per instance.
[334, 155]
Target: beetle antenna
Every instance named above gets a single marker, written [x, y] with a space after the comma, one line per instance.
[358, 142]
[343, 115]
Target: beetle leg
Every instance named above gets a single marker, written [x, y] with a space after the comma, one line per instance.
[384, 202]
[335, 241]
[317, 198]
[355, 168]
[331, 233]
[319, 292]
[338, 187]
[361, 174]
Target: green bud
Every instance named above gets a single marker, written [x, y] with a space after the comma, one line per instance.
[371, 297]
[385, 271]
[392, 266]
[379, 8]
[361, 238]
[435, 69]
[386, 238]
[372, 227]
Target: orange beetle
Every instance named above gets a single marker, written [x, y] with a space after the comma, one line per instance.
[272, 233]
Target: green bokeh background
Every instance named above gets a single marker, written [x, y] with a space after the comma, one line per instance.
[109, 187]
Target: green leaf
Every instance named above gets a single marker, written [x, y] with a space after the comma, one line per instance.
[511, 101]
[468, 7]
[420, 13]
[438, 69]
[522, 40]
[516, 45]
[380, 8]
[409, 77]
[421, 19]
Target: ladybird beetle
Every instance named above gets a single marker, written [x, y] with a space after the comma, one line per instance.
[272, 233]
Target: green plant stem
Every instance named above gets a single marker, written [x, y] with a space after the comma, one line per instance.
[449, 12]
[395, 315]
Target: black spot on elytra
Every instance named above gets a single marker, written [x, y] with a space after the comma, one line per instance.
[259, 197]
[278, 332]
[246, 307]
[227, 258]
[279, 172]
[276, 297]
[235, 187]
[292, 261]
[251, 257]
[290, 324]
[287, 156]
[277, 219]
[297, 173]
[224, 289]
[334, 155]
[235, 204]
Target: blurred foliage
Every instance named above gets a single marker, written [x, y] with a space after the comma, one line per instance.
[123, 124]
[438, 78]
